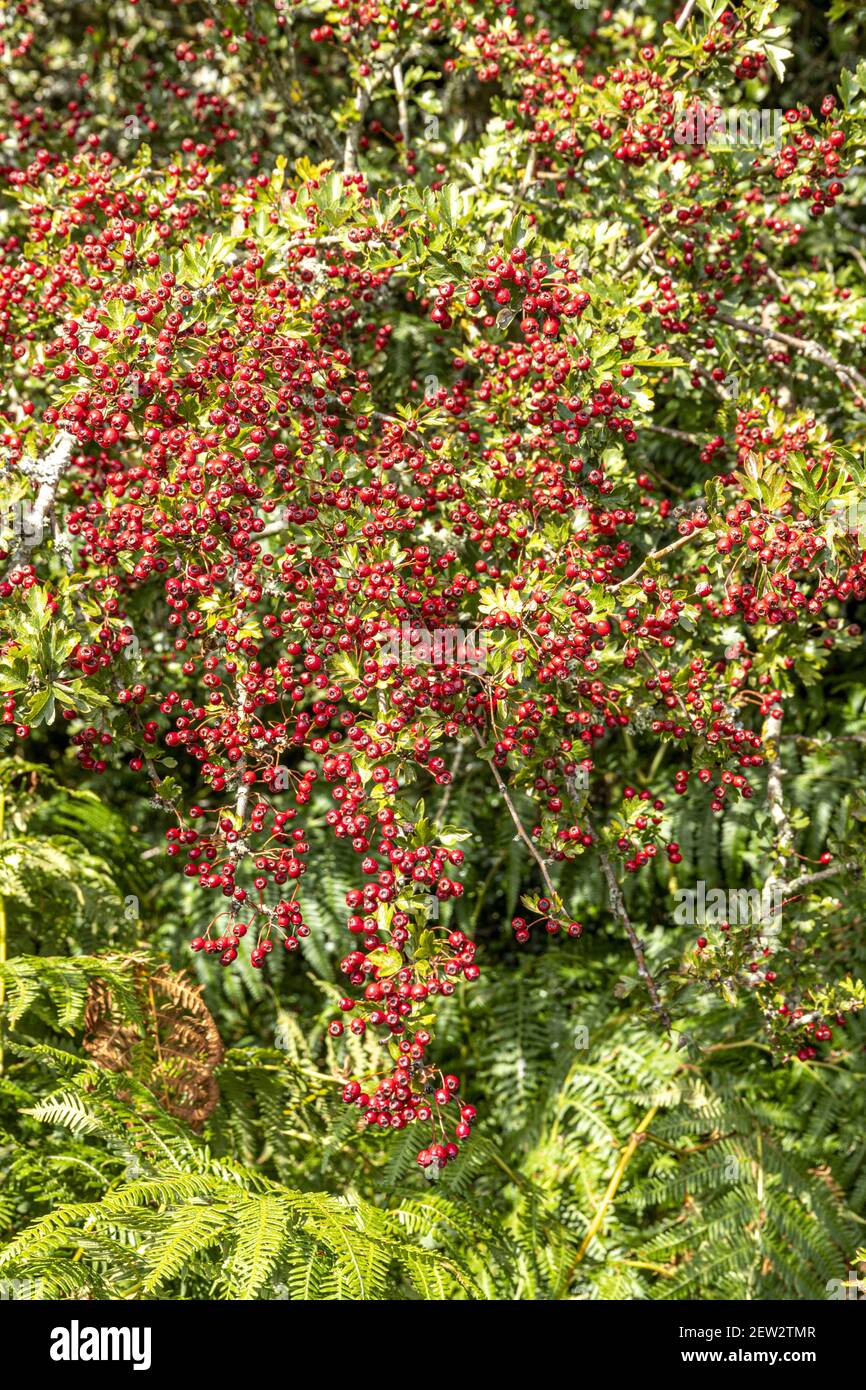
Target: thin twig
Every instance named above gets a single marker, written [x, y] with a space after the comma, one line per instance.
[449, 790]
[353, 135]
[519, 826]
[685, 16]
[402, 106]
[806, 880]
[848, 376]
[654, 555]
[671, 433]
[619, 910]
[639, 251]
[288, 87]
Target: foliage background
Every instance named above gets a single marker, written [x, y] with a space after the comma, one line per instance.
[738, 1177]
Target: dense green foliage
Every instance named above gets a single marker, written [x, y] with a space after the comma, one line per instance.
[340, 418]
[752, 1184]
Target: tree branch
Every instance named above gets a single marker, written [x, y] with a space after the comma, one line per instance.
[519, 826]
[618, 908]
[303, 112]
[806, 880]
[402, 106]
[654, 555]
[775, 799]
[848, 376]
[48, 473]
[634, 256]
[685, 16]
[353, 135]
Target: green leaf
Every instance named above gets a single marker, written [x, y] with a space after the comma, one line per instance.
[387, 961]
[41, 708]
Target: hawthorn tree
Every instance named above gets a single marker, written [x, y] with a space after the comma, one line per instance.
[402, 398]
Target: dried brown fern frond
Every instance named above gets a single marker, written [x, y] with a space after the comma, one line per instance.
[174, 1053]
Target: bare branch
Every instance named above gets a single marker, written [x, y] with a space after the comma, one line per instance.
[775, 772]
[287, 86]
[48, 472]
[520, 828]
[654, 555]
[632, 259]
[618, 908]
[672, 433]
[353, 135]
[806, 880]
[685, 16]
[528, 173]
[402, 106]
[848, 376]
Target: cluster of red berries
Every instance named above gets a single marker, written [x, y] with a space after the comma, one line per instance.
[238, 478]
[411, 1093]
